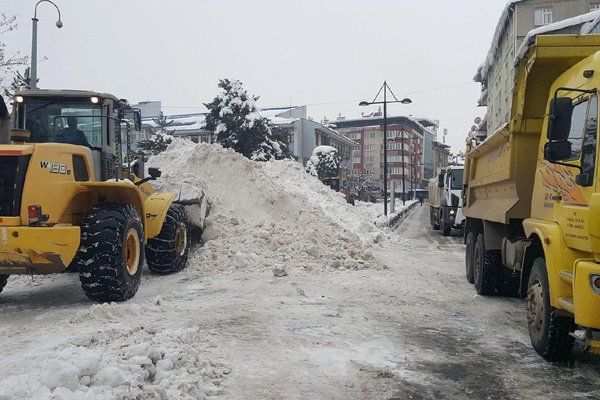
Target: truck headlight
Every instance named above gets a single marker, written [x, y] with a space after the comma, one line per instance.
[595, 283]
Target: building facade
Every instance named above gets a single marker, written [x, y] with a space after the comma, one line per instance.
[497, 73]
[406, 149]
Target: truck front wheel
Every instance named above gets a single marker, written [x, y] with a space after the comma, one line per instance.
[549, 334]
[168, 251]
[447, 228]
[3, 281]
[469, 255]
[111, 255]
[485, 265]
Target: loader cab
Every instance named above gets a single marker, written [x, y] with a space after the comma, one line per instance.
[89, 119]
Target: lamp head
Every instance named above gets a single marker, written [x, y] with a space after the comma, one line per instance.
[406, 101]
[59, 24]
[364, 103]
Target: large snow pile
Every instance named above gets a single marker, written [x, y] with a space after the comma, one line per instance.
[269, 214]
[123, 361]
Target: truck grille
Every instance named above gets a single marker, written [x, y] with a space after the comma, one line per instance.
[12, 178]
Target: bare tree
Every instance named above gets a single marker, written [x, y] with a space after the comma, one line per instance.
[11, 77]
[362, 186]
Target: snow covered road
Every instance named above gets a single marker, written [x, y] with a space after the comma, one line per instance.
[415, 330]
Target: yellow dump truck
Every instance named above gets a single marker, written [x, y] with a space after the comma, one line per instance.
[531, 196]
[72, 197]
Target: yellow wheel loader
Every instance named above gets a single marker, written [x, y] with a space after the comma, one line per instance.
[71, 196]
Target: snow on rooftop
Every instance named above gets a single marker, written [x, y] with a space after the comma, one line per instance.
[588, 22]
[484, 68]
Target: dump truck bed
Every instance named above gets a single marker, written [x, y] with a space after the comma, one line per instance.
[499, 177]
[435, 193]
[499, 173]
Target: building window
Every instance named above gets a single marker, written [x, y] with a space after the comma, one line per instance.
[369, 147]
[594, 6]
[543, 16]
[369, 135]
[356, 160]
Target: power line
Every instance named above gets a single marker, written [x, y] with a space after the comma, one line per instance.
[356, 100]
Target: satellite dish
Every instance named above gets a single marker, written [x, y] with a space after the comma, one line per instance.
[477, 120]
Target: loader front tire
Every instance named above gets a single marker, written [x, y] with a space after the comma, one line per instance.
[3, 281]
[550, 334]
[111, 255]
[168, 251]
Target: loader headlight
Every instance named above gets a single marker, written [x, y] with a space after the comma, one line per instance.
[19, 99]
[452, 212]
[94, 100]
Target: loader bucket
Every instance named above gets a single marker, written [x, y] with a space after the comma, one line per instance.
[194, 199]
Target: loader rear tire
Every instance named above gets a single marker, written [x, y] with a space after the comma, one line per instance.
[549, 333]
[111, 255]
[485, 267]
[168, 251]
[469, 255]
[3, 281]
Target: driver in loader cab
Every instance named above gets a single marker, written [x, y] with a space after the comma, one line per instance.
[71, 134]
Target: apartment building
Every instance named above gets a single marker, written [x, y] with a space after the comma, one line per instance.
[406, 150]
[518, 18]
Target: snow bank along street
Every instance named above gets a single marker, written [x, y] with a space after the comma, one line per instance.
[294, 294]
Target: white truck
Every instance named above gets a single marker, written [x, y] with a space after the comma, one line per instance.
[445, 200]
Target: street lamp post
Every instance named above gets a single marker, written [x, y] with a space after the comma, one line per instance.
[385, 89]
[59, 25]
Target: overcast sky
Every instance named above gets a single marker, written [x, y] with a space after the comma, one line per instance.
[327, 54]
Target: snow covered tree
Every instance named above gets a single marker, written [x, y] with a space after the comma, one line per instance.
[234, 119]
[324, 163]
[159, 139]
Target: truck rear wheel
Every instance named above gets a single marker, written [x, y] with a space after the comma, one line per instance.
[507, 284]
[469, 254]
[435, 222]
[111, 255]
[3, 281]
[168, 251]
[549, 334]
[485, 265]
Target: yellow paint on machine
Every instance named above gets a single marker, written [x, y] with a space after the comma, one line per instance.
[38, 250]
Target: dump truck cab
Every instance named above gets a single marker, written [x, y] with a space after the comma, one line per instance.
[71, 195]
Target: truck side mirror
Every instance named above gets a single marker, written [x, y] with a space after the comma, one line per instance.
[154, 172]
[559, 118]
[556, 151]
[441, 179]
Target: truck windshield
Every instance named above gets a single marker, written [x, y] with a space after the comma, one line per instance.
[456, 179]
[61, 120]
